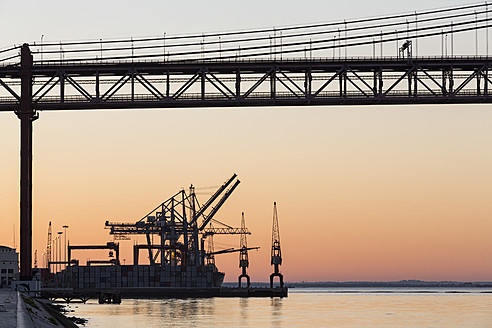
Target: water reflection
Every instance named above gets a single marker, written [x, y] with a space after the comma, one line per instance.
[243, 306]
[276, 309]
[355, 310]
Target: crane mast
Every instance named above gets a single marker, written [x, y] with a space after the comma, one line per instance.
[276, 253]
[210, 259]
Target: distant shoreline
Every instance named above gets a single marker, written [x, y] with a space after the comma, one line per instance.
[376, 284]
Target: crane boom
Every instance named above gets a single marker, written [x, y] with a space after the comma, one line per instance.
[221, 202]
[214, 197]
[233, 250]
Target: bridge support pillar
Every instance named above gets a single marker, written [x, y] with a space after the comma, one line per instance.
[27, 115]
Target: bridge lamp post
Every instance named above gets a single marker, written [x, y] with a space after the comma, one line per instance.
[65, 227]
[42, 37]
[59, 255]
[59, 248]
[54, 257]
[397, 51]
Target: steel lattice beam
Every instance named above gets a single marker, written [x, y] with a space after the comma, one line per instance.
[252, 83]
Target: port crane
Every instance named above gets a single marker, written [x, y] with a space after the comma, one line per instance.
[276, 253]
[182, 224]
[243, 256]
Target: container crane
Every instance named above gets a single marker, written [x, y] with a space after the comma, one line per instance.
[182, 224]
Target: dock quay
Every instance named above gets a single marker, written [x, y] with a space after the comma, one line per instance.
[115, 295]
[178, 264]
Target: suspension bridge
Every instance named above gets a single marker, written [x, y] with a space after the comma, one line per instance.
[436, 56]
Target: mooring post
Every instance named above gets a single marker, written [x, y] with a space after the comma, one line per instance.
[27, 115]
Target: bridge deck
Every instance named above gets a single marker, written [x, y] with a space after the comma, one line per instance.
[251, 82]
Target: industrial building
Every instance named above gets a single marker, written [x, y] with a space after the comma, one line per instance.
[9, 265]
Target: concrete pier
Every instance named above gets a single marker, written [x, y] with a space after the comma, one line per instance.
[82, 295]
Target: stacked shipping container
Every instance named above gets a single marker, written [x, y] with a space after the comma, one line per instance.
[114, 276]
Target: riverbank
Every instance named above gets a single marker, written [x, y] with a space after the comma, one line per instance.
[23, 311]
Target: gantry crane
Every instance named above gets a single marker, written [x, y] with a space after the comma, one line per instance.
[182, 224]
[243, 255]
[276, 252]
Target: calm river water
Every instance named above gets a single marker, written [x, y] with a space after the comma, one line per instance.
[305, 307]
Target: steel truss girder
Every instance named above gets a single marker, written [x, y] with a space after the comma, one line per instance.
[226, 231]
[206, 231]
[243, 83]
[10, 91]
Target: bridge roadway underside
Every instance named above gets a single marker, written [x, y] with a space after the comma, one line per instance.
[250, 83]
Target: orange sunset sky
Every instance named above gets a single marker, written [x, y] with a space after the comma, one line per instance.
[363, 193]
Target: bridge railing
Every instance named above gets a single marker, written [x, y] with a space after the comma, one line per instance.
[351, 59]
[253, 96]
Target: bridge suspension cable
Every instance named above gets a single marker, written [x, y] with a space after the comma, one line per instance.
[359, 28]
[281, 29]
[310, 40]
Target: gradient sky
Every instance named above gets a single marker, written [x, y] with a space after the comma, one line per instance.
[363, 193]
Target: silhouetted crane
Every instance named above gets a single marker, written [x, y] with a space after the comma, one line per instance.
[243, 255]
[276, 252]
[182, 225]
